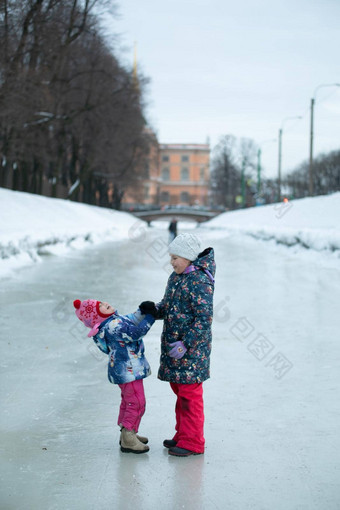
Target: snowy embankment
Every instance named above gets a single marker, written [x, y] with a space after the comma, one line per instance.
[312, 223]
[33, 225]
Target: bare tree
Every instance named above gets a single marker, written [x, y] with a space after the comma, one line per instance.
[233, 162]
[326, 176]
[71, 117]
[225, 175]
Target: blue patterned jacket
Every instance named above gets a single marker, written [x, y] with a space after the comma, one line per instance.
[121, 337]
[187, 310]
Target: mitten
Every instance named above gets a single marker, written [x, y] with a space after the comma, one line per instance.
[178, 350]
[148, 307]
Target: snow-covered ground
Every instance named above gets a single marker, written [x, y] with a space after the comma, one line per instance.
[271, 406]
[312, 223]
[32, 226]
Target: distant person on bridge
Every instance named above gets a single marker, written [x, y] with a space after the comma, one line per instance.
[121, 337]
[187, 310]
[172, 230]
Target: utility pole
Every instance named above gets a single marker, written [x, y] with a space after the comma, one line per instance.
[259, 167]
[259, 172]
[243, 184]
[310, 184]
[311, 137]
[280, 155]
[279, 167]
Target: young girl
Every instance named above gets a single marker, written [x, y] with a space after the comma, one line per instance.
[187, 310]
[120, 336]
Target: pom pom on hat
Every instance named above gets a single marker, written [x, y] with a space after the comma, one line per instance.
[186, 245]
[88, 312]
[77, 303]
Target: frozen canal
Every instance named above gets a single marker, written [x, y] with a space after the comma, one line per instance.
[271, 405]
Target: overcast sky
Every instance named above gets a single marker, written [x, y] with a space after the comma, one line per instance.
[238, 67]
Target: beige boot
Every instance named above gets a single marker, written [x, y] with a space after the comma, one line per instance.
[142, 439]
[130, 443]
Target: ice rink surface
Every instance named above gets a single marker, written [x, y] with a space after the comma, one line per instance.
[271, 405]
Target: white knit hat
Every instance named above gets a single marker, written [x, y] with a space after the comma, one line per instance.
[186, 245]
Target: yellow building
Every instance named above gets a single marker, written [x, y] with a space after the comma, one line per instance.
[184, 174]
[178, 174]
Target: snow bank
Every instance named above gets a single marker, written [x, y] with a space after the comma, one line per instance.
[33, 225]
[312, 223]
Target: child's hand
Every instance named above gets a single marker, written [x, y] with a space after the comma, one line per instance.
[148, 307]
[178, 350]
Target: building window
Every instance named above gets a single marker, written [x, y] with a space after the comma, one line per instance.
[185, 158]
[185, 197]
[165, 158]
[202, 173]
[184, 174]
[165, 196]
[165, 174]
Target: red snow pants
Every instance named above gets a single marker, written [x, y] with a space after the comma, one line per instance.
[132, 405]
[189, 416]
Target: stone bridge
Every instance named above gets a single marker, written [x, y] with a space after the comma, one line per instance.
[178, 213]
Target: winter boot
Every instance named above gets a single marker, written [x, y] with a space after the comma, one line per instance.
[130, 443]
[142, 439]
[169, 443]
[182, 452]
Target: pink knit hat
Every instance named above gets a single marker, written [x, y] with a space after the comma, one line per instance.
[88, 312]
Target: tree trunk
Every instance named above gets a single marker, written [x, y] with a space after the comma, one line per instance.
[117, 197]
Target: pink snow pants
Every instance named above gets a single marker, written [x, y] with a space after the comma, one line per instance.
[132, 405]
[189, 416]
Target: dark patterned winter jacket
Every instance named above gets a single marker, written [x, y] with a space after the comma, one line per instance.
[187, 310]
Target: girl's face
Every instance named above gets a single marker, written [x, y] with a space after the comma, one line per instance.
[179, 264]
[105, 308]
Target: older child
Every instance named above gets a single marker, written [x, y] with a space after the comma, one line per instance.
[120, 336]
[187, 310]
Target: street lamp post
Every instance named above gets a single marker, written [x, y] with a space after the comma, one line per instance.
[258, 187]
[280, 154]
[243, 183]
[259, 166]
[311, 137]
[279, 167]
